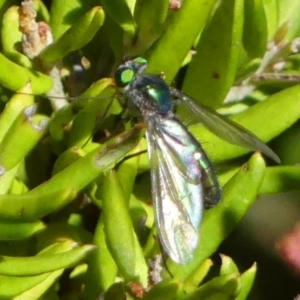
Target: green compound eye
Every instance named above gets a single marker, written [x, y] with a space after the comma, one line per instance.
[141, 60]
[124, 76]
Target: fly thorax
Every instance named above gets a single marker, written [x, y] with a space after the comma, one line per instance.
[153, 94]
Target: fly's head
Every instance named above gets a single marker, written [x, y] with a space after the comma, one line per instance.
[147, 92]
[127, 72]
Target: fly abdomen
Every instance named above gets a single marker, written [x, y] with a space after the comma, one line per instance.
[211, 188]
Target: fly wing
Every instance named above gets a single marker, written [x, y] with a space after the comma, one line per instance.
[176, 187]
[224, 127]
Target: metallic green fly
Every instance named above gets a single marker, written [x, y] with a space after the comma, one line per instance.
[183, 180]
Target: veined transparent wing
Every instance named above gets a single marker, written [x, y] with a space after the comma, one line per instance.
[177, 186]
[224, 127]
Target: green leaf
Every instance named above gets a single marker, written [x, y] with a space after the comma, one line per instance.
[192, 282]
[14, 107]
[38, 290]
[10, 231]
[173, 46]
[64, 14]
[63, 186]
[30, 287]
[67, 158]
[43, 263]
[255, 33]
[11, 35]
[58, 122]
[150, 18]
[165, 290]
[102, 269]
[220, 288]
[247, 280]
[60, 237]
[127, 174]
[271, 8]
[288, 12]
[76, 37]
[124, 247]
[7, 181]
[40, 82]
[121, 13]
[21, 137]
[287, 147]
[212, 70]
[228, 266]
[13, 286]
[280, 179]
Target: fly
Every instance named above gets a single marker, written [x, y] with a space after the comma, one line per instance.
[183, 181]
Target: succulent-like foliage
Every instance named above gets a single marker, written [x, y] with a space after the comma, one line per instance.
[76, 219]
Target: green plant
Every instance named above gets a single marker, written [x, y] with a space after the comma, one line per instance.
[51, 170]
